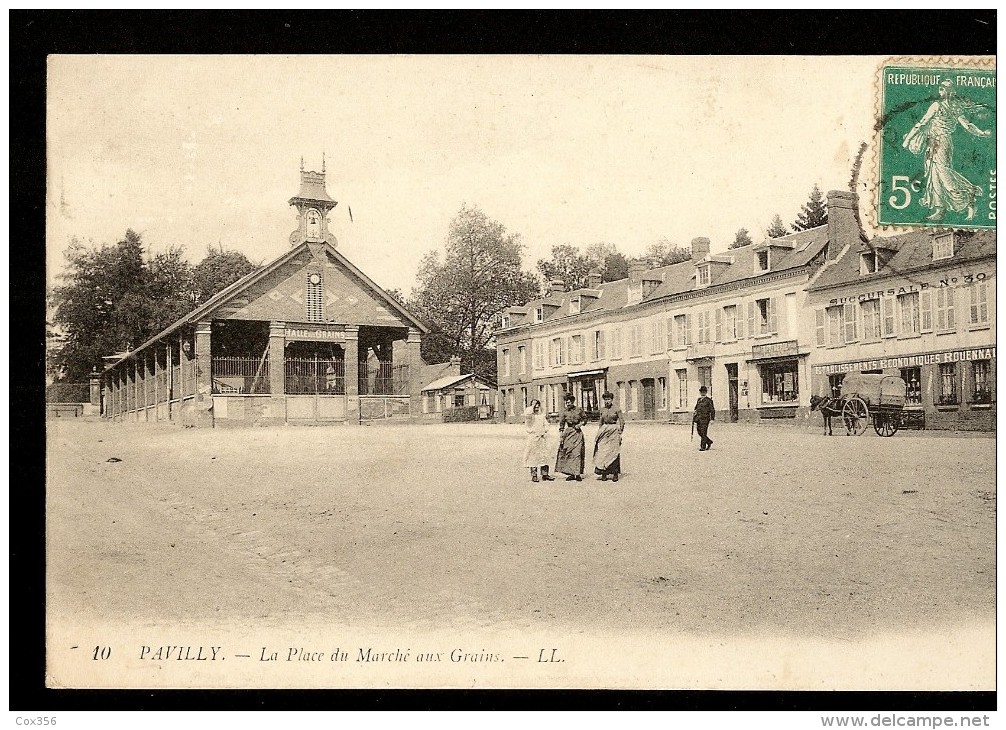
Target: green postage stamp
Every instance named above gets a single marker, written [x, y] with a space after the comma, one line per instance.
[936, 137]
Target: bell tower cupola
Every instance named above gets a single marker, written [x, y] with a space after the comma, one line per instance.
[313, 206]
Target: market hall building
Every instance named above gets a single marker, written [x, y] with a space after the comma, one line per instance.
[920, 306]
[307, 338]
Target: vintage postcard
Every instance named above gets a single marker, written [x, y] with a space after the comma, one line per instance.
[549, 372]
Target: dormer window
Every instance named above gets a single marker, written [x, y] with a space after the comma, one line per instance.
[943, 246]
[506, 321]
[869, 263]
[703, 276]
[539, 315]
[574, 305]
[761, 261]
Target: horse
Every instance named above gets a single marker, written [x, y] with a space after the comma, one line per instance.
[830, 407]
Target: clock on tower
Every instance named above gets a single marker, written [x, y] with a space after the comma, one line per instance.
[313, 206]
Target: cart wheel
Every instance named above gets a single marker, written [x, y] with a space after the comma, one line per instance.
[886, 424]
[856, 416]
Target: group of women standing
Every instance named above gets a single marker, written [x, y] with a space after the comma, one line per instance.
[570, 457]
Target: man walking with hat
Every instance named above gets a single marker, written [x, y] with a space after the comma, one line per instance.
[704, 413]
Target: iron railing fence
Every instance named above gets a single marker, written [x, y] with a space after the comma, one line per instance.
[385, 379]
[241, 375]
[315, 377]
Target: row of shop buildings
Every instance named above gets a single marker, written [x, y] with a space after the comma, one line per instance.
[767, 325]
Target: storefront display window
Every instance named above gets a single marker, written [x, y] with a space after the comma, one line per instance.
[913, 386]
[779, 382]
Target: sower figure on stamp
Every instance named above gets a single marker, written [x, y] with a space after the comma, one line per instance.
[569, 460]
[536, 446]
[945, 186]
[608, 444]
[704, 413]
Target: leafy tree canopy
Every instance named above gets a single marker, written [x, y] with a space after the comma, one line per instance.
[112, 298]
[568, 265]
[463, 296]
[665, 253]
[741, 238]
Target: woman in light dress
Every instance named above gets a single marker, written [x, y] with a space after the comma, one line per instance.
[537, 454]
[945, 187]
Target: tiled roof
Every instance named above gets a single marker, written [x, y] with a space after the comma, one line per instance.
[913, 251]
[800, 249]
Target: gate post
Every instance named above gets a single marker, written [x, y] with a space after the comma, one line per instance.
[415, 361]
[204, 374]
[351, 373]
[277, 371]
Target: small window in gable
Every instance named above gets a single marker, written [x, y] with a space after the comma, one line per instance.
[312, 300]
[505, 321]
[761, 261]
[635, 292]
[574, 305]
[538, 315]
[943, 246]
[703, 277]
[869, 263]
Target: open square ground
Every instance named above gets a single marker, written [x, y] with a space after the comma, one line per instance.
[780, 558]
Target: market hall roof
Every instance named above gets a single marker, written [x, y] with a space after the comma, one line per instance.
[453, 380]
[243, 284]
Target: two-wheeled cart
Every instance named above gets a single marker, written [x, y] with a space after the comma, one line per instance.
[872, 397]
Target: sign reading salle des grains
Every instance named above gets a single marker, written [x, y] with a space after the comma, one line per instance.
[908, 361]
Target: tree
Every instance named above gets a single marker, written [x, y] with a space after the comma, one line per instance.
[741, 238]
[463, 297]
[568, 265]
[777, 229]
[665, 253]
[616, 266]
[114, 298]
[814, 212]
[397, 295]
[218, 270]
[110, 299]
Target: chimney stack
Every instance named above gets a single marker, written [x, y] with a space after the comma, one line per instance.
[700, 248]
[843, 226]
[594, 279]
[636, 269]
[556, 286]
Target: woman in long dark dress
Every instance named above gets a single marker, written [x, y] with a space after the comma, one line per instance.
[569, 459]
[608, 444]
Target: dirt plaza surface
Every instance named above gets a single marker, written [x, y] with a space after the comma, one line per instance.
[779, 544]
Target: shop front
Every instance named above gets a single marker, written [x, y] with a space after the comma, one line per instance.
[777, 385]
[587, 386]
[945, 389]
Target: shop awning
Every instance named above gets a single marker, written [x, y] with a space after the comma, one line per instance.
[585, 373]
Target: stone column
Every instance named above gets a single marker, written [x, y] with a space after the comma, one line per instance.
[277, 371]
[204, 374]
[415, 362]
[351, 372]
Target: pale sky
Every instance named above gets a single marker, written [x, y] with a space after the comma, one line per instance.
[200, 150]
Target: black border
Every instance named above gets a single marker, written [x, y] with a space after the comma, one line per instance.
[35, 34]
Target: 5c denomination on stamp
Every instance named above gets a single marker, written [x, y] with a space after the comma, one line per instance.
[936, 145]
